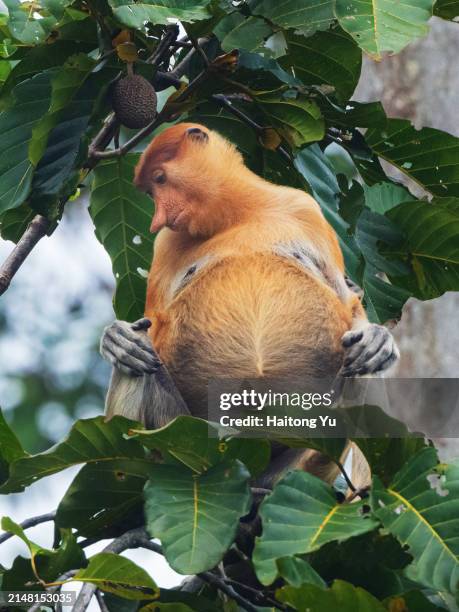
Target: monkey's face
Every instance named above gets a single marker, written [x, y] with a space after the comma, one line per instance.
[181, 170]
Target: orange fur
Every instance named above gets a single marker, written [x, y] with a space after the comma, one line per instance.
[249, 312]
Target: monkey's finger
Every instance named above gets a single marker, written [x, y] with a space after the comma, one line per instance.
[373, 335]
[129, 364]
[351, 337]
[381, 361]
[141, 324]
[120, 331]
[121, 347]
[368, 351]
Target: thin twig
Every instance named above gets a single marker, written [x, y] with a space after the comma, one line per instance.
[180, 69]
[163, 49]
[31, 522]
[346, 476]
[55, 588]
[35, 232]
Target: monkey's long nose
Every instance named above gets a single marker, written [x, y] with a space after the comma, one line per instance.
[159, 218]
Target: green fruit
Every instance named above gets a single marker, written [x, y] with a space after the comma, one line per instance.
[134, 101]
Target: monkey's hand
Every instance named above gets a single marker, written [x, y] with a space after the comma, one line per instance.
[368, 350]
[127, 347]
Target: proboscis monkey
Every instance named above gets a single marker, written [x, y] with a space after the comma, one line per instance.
[247, 281]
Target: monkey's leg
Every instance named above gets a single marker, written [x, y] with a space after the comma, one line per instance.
[141, 388]
[369, 348]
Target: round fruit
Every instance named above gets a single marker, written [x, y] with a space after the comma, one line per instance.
[134, 101]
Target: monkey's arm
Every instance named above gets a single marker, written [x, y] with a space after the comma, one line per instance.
[141, 388]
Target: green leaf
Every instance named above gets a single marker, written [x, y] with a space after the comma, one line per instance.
[238, 32]
[49, 564]
[297, 571]
[447, 9]
[305, 16]
[382, 197]
[328, 58]
[380, 26]
[414, 601]
[428, 156]
[314, 517]
[341, 596]
[14, 222]
[122, 217]
[89, 440]
[421, 509]
[102, 495]
[318, 172]
[31, 101]
[432, 243]
[196, 516]
[199, 445]
[118, 575]
[298, 119]
[10, 448]
[136, 14]
[23, 24]
[64, 84]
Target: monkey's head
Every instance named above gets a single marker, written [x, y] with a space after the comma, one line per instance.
[188, 170]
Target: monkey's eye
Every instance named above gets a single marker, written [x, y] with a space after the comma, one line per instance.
[159, 177]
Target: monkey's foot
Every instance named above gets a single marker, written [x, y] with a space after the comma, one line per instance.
[127, 347]
[368, 350]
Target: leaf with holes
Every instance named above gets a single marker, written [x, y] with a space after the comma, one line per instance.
[383, 26]
[116, 574]
[428, 156]
[31, 101]
[137, 14]
[301, 515]
[305, 16]
[89, 440]
[421, 509]
[104, 495]
[328, 58]
[196, 515]
[122, 216]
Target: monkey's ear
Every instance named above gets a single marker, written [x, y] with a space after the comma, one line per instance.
[197, 135]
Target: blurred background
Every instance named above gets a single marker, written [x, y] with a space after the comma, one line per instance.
[52, 316]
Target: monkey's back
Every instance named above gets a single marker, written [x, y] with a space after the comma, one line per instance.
[249, 317]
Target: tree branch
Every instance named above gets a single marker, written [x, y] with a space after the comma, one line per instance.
[31, 522]
[35, 232]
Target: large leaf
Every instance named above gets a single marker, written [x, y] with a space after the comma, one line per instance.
[89, 440]
[31, 101]
[381, 26]
[236, 31]
[301, 515]
[432, 243]
[122, 216]
[26, 25]
[136, 14]
[297, 119]
[118, 575]
[429, 156]
[305, 16]
[318, 172]
[328, 58]
[421, 509]
[102, 495]
[297, 571]
[200, 445]
[341, 596]
[196, 516]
